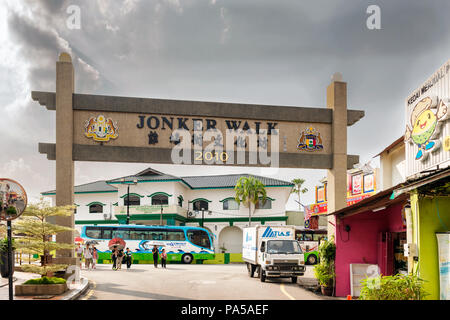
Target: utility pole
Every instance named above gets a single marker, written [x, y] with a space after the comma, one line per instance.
[128, 197]
[128, 204]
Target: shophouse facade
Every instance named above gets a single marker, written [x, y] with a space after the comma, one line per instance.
[427, 152]
[371, 233]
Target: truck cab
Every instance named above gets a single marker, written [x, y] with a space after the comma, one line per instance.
[273, 253]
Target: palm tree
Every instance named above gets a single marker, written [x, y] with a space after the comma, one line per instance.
[249, 190]
[297, 189]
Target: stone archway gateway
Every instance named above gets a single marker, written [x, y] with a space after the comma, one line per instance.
[126, 129]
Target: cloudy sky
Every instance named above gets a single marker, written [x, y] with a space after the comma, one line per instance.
[253, 51]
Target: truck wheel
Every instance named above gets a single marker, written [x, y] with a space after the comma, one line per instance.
[294, 279]
[262, 275]
[187, 258]
[312, 259]
[251, 270]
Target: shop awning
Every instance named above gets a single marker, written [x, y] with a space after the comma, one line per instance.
[379, 201]
[420, 182]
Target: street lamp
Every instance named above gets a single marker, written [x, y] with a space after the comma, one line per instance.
[128, 197]
[203, 214]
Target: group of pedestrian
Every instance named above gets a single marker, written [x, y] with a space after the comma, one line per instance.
[89, 254]
[155, 253]
[118, 256]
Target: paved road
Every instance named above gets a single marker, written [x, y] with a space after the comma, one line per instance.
[207, 282]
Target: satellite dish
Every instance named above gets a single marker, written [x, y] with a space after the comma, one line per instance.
[13, 199]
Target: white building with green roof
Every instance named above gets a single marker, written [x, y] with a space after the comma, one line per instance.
[154, 196]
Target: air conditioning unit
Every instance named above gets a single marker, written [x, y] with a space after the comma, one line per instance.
[191, 214]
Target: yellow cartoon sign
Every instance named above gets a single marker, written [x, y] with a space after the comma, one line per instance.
[424, 126]
[101, 128]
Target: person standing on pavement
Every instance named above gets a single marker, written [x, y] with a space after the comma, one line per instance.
[114, 257]
[129, 258]
[155, 256]
[119, 259]
[87, 257]
[163, 258]
[94, 257]
[79, 252]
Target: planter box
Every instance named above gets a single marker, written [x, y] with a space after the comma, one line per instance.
[40, 289]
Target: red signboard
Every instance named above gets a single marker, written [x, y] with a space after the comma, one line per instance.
[322, 208]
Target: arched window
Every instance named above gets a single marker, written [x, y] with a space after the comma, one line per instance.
[230, 204]
[200, 205]
[264, 205]
[134, 200]
[96, 208]
[160, 199]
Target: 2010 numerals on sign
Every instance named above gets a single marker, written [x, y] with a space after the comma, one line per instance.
[209, 156]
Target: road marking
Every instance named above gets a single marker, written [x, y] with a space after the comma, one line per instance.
[203, 281]
[285, 292]
[91, 291]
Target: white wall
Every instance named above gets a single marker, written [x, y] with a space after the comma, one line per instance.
[83, 199]
[392, 167]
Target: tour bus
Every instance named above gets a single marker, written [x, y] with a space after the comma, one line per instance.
[309, 240]
[182, 243]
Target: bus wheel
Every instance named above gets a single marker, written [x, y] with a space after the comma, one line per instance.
[312, 259]
[187, 258]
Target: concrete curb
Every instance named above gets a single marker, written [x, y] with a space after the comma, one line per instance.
[76, 293]
[5, 284]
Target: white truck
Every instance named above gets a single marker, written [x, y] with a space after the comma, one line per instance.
[272, 252]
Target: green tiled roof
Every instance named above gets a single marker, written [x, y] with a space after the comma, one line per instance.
[92, 187]
[193, 182]
[229, 181]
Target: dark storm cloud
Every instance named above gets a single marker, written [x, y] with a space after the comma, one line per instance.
[254, 51]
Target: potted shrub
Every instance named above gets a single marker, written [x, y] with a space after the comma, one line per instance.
[4, 257]
[324, 270]
[325, 277]
[396, 287]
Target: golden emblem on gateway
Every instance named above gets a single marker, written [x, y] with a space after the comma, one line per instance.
[101, 128]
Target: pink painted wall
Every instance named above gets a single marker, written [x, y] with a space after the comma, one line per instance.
[360, 245]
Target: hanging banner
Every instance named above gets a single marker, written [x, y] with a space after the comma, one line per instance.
[443, 240]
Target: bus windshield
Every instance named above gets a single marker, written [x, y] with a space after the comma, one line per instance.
[283, 247]
[199, 238]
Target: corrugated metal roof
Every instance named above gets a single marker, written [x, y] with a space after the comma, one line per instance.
[97, 186]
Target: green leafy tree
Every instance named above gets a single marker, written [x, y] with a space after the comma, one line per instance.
[298, 190]
[34, 234]
[250, 190]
